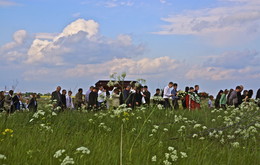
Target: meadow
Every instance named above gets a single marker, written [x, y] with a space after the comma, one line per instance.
[132, 137]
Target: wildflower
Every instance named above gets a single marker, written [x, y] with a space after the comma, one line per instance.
[204, 127]
[222, 141]
[67, 160]
[167, 155]
[154, 130]
[166, 162]
[159, 106]
[83, 150]
[165, 130]
[235, 144]
[156, 126]
[58, 153]
[197, 125]
[183, 155]
[90, 120]
[154, 158]
[171, 148]
[194, 135]
[150, 135]
[201, 138]
[174, 158]
[213, 120]
[133, 129]
[53, 114]
[3, 157]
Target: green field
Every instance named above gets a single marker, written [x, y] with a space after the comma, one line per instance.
[142, 136]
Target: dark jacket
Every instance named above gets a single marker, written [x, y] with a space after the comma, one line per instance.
[32, 106]
[147, 97]
[63, 100]
[93, 99]
[56, 96]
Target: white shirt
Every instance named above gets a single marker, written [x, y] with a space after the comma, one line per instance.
[101, 96]
[167, 92]
[69, 102]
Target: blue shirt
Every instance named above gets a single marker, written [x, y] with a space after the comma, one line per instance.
[174, 94]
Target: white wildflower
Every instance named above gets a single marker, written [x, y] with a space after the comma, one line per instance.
[174, 158]
[171, 148]
[156, 126]
[3, 157]
[58, 153]
[197, 125]
[165, 130]
[183, 155]
[83, 150]
[235, 144]
[194, 135]
[67, 160]
[154, 158]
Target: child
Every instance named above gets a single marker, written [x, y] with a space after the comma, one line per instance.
[210, 103]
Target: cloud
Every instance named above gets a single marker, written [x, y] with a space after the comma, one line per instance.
[78, 43]
[239, 19]
[228, 66]
[7, 3]
[144, 67]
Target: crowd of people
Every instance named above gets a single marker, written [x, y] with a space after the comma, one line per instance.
[234, 97]
[133, 96]
[11, 103]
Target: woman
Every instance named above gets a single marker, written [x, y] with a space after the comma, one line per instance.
[184, 105]
[33, 103]
[115, 99]
[228, 96]
[217, 101]
[223, 99]
[249, 95]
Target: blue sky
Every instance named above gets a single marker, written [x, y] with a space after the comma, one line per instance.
[214, 43]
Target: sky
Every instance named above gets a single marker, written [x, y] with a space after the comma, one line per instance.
[75, 43]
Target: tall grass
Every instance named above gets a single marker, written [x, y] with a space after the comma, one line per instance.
[101, 132]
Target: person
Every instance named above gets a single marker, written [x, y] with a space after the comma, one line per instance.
[2, 100]
[233, 99]
[26, 104]
[223, 99]
[69, 101]
[167, 95]
[17, 101]
[115, 98]
[245, 92]
[157, 92]
[147, 95]
[32, 106]
[87, 94]
[56, 97]
[257, 94]
[217, 101]
[184, 100]
[175, 98]
[197, 87]
[9, 107]
[93, 96]
[78, 99]
[257, 97]
[192, 100]
[249, 95]
[101, 97]
[210, 102]
[63, 99]
[126, 94]
[239, 96]
[228, 96]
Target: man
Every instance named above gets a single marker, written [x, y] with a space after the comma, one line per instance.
[147, 95]
[167, 95]
[197, 87]
[9, 106]
[239, 96]
[93, 96]
[233, 98]
[175, 98]
[56, 97]
[63, 99]
[126, 94]
[32, 106]
[101, 96]
[87, 94]
[17, 100]
[2, 100]
[78, 99]
[69, 101]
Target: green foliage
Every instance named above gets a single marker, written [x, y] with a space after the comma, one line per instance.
[150, 136]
